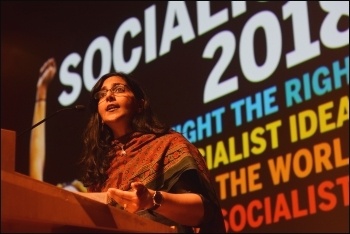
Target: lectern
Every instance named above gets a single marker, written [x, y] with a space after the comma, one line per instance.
[29, 205]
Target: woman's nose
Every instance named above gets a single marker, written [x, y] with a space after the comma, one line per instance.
[110, 95]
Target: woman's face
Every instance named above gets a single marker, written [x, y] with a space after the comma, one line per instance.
[117, 105]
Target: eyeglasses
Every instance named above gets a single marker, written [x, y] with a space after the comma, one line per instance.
[117, 88]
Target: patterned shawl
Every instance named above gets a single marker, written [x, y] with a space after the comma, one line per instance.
[155, 161]
[158, 162]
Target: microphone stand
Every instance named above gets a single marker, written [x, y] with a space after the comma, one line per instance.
[77, 107]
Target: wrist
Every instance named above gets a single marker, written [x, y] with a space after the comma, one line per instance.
[157, 199]
[40, 100]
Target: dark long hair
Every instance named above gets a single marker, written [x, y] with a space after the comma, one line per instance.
[98, 150]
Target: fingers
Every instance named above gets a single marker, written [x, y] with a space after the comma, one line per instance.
[49, 63]
[47, 71]
[132, 200]
[124, 200]
[139, 187]
[136, 185]
[120, 196]
[111, 201]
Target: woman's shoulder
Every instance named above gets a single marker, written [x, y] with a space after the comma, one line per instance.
[172, 134]
[170, 138]
[177, 139]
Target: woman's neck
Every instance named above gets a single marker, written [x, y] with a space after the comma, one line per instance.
[120, 134]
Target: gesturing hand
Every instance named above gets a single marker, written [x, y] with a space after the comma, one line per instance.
[47, 72]
[135, 199]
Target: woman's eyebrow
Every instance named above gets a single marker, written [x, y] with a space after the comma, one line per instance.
[114, 84]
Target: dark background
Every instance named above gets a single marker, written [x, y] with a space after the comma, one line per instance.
[33, 31]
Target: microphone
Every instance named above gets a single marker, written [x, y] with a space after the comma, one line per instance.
[77, 107]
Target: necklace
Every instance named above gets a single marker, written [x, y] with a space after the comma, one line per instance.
[123, 153]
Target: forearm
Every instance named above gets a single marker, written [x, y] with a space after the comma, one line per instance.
[37, 139]
[41, 92]
[185, 208]
[37, 143]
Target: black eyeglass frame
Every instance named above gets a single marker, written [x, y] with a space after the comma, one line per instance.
[117, 88]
